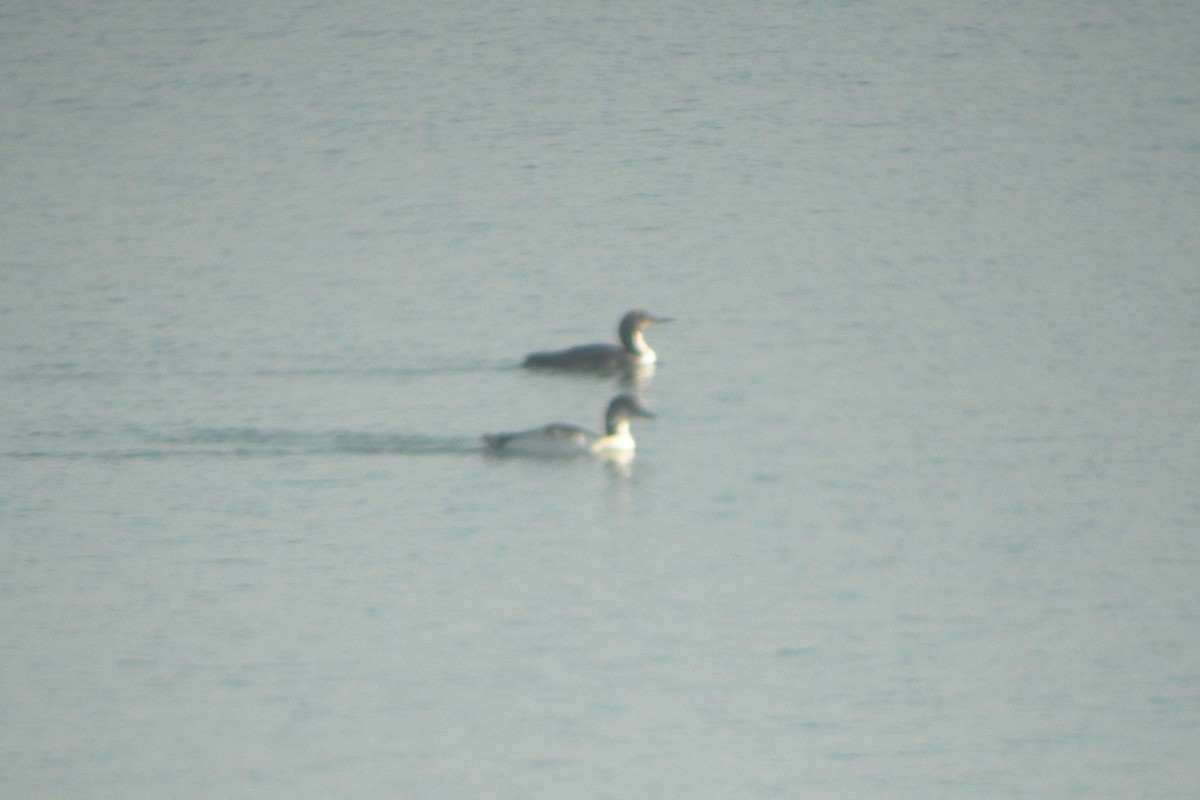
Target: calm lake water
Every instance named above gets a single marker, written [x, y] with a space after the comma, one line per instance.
[918, 517]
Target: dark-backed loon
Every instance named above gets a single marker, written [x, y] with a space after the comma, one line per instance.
[632, 352]
[568, 440]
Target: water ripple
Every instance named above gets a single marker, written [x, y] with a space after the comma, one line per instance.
[256, 442]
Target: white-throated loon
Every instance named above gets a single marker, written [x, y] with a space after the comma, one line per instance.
[569, 440]
[632, 352]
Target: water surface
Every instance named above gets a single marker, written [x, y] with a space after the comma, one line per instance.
[917, 516]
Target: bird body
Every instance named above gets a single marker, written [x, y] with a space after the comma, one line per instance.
[632, 351]
[559, 439]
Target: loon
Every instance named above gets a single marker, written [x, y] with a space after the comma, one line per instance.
[568, 440]
[633, 351]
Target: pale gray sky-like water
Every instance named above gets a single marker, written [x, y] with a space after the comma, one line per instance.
[916, 517]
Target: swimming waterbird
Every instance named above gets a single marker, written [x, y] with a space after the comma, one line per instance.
[632, 352]
[559, 439]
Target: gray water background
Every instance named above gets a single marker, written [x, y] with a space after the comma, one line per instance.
[918, 517]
